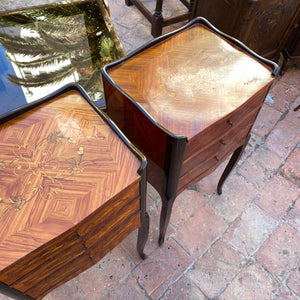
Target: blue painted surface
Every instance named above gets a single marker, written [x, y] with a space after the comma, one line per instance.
[11, 96]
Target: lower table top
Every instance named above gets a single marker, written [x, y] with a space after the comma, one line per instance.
[58, 163]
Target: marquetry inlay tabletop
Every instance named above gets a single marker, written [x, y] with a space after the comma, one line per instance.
[58, 164]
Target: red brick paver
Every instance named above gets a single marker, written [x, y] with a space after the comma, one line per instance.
[266, 120]
[249, 231]
[285, 135]
[276, 196]
[293, 215]
[260, 166]
[160, 270]
[252, 283]
[280, 253]
[293, 282]
[285, 294]
[283, 94]
[184, 288]
[291, 169]
[216, 269]
[200, 231]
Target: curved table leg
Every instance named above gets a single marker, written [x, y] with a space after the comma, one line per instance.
[232, 163]
[165, 215]
[143, 233]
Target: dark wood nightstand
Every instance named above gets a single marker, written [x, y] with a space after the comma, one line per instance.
[188, 100]
[292, 47]
[264, 26]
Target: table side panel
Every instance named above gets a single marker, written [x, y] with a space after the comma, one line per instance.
[202, 160]
[216, 149]
[137, 127]
[228, 131]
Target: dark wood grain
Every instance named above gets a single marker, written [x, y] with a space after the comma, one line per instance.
[264, 26]
[292, 46]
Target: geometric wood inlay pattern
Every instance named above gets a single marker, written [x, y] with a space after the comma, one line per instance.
[191, 80]
[58, 164]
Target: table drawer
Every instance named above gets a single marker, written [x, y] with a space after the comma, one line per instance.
[85, 261]
[97, 234]
[71, 243]
[207, 166]
[224, 143]
[247, 111]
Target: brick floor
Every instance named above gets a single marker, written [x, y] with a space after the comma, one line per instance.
[244, 244]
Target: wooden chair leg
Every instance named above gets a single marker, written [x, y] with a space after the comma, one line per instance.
[232, 163]
[157, 19]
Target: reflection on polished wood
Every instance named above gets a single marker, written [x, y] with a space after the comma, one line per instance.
[188, 100]
[173, 80]
[71, 189]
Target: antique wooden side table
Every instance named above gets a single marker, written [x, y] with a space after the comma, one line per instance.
[72, 187]
[188, 100]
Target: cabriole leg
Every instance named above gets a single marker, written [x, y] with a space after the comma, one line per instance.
[232, 163]
[165, 215]
[143, 233]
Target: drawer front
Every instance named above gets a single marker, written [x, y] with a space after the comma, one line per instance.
[248, 111]
[69, 242]
[206, 167]
[85, 261]
[225, 142]
[99, 233]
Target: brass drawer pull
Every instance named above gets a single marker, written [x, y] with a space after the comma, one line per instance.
[230, 123]
[217, 159]
[222, 142]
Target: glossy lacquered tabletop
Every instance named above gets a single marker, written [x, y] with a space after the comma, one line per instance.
[191, 80]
